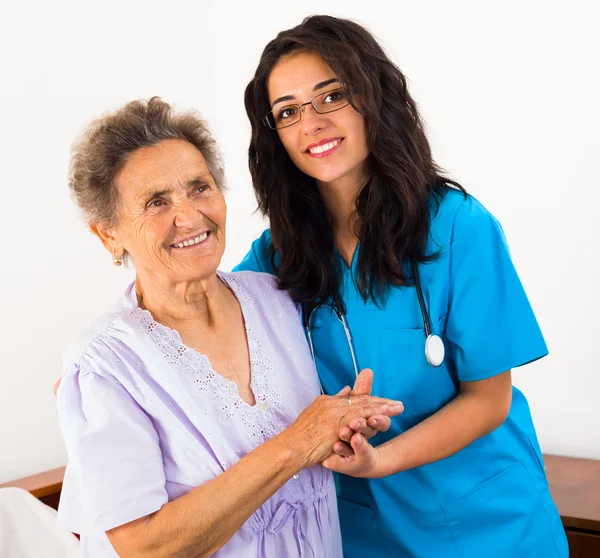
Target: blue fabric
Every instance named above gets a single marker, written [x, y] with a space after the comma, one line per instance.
[490, 499]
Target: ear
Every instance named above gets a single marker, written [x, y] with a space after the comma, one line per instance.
[108, 237]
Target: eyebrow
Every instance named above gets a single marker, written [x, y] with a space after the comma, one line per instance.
[159, 192]
[319, 85]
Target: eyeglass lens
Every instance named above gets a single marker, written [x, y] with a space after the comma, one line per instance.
[323, 103]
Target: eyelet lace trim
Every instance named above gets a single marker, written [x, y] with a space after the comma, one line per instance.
[261, 420]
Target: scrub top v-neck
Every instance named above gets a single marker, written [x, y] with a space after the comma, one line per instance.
[490, 499]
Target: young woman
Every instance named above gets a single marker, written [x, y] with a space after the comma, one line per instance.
[401, 271]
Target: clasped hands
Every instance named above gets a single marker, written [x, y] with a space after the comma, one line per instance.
[334, 430]
[352, 453]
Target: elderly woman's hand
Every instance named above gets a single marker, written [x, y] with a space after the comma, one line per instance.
[366, 427]
[313, 434]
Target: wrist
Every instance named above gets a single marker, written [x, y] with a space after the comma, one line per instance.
[289, 458]
[390, 460]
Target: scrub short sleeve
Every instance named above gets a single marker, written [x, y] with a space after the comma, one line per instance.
[258, 257]
[491, 326]
[115, 462]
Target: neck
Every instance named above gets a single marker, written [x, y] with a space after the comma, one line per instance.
[339, 198]
[200, 302]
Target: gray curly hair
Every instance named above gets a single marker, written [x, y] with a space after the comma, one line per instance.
[107, 142]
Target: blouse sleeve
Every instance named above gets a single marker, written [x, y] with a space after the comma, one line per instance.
[491, 326]
[115, 462]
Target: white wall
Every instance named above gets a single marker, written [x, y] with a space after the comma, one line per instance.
[510, 92]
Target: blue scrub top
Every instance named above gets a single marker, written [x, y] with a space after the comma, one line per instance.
[491, 499]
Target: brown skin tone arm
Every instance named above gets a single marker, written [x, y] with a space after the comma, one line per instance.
[480, 407]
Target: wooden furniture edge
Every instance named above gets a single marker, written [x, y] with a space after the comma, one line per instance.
[575, 487]
[40, 485]
[574, 484]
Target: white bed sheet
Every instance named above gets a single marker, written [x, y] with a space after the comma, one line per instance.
[28, 528]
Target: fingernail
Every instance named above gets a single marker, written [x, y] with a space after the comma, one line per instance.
[358, 440]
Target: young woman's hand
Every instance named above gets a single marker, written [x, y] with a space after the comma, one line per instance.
[313, 434]
[363, 462]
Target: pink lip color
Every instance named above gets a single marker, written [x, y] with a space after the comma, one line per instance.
[325, 153]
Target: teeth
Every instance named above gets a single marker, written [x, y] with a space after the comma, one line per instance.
[324, 147]
[200, 238]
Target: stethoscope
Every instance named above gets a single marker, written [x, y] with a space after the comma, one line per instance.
[434, 346]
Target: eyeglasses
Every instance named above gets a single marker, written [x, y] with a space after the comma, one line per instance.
[288, 115]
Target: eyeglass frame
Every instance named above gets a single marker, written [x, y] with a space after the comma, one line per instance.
[350, 92]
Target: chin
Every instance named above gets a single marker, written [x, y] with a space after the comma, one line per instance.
[327, 177]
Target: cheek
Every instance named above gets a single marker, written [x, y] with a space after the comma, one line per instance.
[216, 211]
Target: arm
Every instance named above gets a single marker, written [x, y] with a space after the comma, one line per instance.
[200, 522]
[490, 328]
[481, 407]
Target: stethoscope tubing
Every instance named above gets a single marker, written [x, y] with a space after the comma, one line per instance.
[434, 346]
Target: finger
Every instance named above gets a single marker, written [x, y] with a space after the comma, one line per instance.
[55, 387]
[364, 382]
[380, 423]
[389, 409]
[358, 424]
[359, 444]
[366, 401]
[345, 433]
[344, 391]
[342, 449]
[334, 462]
[367, 432]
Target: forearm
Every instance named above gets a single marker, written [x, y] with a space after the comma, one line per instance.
[200, 522]
[462, 421]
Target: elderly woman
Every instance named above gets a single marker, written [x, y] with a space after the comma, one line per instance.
[191, 411]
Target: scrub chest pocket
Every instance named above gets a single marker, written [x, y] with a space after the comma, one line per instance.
[402, 372]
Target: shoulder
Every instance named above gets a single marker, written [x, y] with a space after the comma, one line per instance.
[258, 257]
[454, 214]
[99, 340]
[255, 284]
[260, 290]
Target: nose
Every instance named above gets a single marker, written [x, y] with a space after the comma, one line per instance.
[186, 214]
[312, 121]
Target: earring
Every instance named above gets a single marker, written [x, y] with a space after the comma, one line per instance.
[118, 260]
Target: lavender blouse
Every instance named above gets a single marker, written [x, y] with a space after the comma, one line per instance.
[146, 419]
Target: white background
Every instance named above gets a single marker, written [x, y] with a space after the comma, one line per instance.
[510, 93]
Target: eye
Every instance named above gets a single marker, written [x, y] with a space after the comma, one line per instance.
[199, 188]
[334, 96]
[286, 112]
[157, 202]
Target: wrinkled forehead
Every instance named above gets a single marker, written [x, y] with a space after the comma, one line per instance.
[169, 164]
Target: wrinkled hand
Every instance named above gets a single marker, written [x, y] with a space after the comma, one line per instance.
[313, 434]
[368, 427]
[364, 462]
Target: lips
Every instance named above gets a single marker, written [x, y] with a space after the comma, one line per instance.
[191, 241]
[323, 147]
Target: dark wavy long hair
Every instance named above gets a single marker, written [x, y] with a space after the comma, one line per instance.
[393, 208]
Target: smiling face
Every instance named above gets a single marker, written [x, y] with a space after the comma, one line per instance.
[171, 217]
[329, 147]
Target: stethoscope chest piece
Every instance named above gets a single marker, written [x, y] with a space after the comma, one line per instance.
[434, 350]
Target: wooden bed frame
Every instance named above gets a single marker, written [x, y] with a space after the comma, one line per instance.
[44, 486]
[574, 483]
